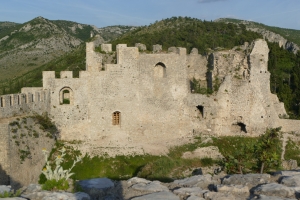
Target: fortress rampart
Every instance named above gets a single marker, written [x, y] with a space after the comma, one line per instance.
[31, 100]
[148, 97]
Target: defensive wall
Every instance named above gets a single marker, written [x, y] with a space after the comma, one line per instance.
[4, 153]
[145, 100]
[28, 102]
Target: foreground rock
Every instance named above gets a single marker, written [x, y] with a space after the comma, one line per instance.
[283, 185]
[165, 195]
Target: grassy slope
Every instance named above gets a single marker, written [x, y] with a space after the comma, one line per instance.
[72, 61]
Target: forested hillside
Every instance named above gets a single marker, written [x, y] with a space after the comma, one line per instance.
[289, 34]
[189, 32]
[285, 78]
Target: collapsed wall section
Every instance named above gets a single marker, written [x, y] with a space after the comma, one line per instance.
[243, 103]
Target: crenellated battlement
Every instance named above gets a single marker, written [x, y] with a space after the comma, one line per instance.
[24, 103]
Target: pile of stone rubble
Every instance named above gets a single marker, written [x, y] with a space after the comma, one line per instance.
[280, 185]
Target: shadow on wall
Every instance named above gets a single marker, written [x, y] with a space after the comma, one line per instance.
[4, 177]
[6, 180]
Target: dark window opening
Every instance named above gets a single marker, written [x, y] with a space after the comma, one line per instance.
[66, 97]
[116, 116]
[242, 126]
[160, 70]
[201, 110]
[1, 102]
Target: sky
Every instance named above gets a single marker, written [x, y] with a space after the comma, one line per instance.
[101, 13]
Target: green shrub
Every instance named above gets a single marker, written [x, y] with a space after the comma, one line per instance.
[245, 154]
[9, 194]
[54, 185]
[292, 151]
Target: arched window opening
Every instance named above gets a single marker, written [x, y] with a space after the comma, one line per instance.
[116, 117]
[66, 96]
[160, 70]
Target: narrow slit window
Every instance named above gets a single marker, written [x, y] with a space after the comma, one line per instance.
[10, 101]
[116, 118]
[1, 102]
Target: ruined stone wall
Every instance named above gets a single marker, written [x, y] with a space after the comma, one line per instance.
[196, 68]
[143, 103]
[244, 102]
[152, 96]
[149, 91]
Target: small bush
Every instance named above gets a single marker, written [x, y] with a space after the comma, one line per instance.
[55, 185]
[14, 123]
[9, 194]
[292, 151]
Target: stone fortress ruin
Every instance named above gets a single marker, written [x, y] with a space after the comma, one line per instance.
[145, 103]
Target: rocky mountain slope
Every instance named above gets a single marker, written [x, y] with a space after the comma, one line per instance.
[286, 38]
[112, 32]
[25, 47]
[33, 44]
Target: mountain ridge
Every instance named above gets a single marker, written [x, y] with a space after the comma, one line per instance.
[287, 38]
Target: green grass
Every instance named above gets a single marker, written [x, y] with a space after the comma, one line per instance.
[12, 193]
[163, 168]
[168, 167]
[292, 151]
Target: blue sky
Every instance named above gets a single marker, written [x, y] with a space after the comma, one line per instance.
[101, 13]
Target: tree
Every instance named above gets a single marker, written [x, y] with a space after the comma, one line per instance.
[268, 149]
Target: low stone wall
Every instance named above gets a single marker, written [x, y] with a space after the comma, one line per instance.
[289, 125]
[31, 101]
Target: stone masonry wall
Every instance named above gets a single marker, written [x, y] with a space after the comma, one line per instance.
[26, 140]
[144, 104]
[31, 100]
[151, 93]
[4, 154]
